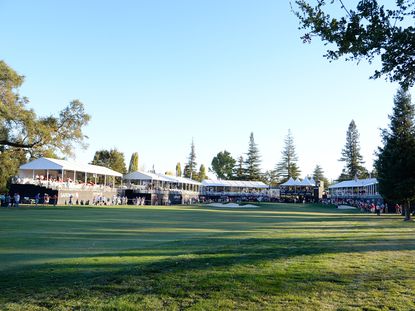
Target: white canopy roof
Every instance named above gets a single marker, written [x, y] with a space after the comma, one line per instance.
[305, 182]
[55, 164]
[289, 182]
[308, 182]
[160, 177]
[234, 183]
[144, 176]
[355, 183]
[183, 180]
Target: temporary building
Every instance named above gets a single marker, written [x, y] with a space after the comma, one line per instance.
[161, 180]
[234, 184]
[48, 168]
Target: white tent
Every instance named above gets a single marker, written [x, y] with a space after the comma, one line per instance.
[289, 182]
[305, 182]
[355, 183]
[48, 164]
[308, 182]
[145, 176]
[234, 184]
[150, 177]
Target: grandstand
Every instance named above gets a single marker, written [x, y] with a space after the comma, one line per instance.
[160, 189]
[234, 190]
[298, 190]
[68, 180]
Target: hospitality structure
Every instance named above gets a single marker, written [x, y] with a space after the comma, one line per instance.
[74, 183]
[297, 190]
[160, 189]
[234, 190]
[69, 181]
[366, 189]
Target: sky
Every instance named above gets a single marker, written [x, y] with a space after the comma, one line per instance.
[155, 75]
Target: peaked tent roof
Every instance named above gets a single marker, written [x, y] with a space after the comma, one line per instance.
[56, 164]
[289, 182]
[298, 182]
[308, 182]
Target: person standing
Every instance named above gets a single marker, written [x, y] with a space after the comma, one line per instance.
[8, 200]
[378, 209]
[37, 198]
[46, 199]
[55, 199]
[398, 209]
[16, 199]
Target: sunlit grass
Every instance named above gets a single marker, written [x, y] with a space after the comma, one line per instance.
[276, 257]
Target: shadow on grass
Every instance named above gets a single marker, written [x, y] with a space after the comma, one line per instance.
[118, 273]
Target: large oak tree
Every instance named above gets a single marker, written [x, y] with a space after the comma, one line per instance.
[24, 135]
[223, 165]
[112, 159]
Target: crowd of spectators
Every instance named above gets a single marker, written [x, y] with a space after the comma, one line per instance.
[59, 183]
[9, 200]
[377, 206]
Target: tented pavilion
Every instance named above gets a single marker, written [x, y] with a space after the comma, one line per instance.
[307, 188]
[219, 190]
[54, 170]
[233, 186]
[154, 181]
[160, 189]
[356, 188]
[297, 184]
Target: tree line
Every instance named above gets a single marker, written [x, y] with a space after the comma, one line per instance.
[24, 136]
[373, 30]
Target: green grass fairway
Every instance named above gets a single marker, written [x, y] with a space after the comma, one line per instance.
[276, 257]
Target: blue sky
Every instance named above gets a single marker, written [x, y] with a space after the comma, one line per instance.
[155, 74]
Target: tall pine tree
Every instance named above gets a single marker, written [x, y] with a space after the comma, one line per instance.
[318, 174]
[239, 169]
[133, 167]
[395, 163]
[351, 155]
[288, 167]
[252, 161]
[190, 167]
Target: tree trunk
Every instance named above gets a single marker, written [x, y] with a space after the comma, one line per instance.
[408, 211]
